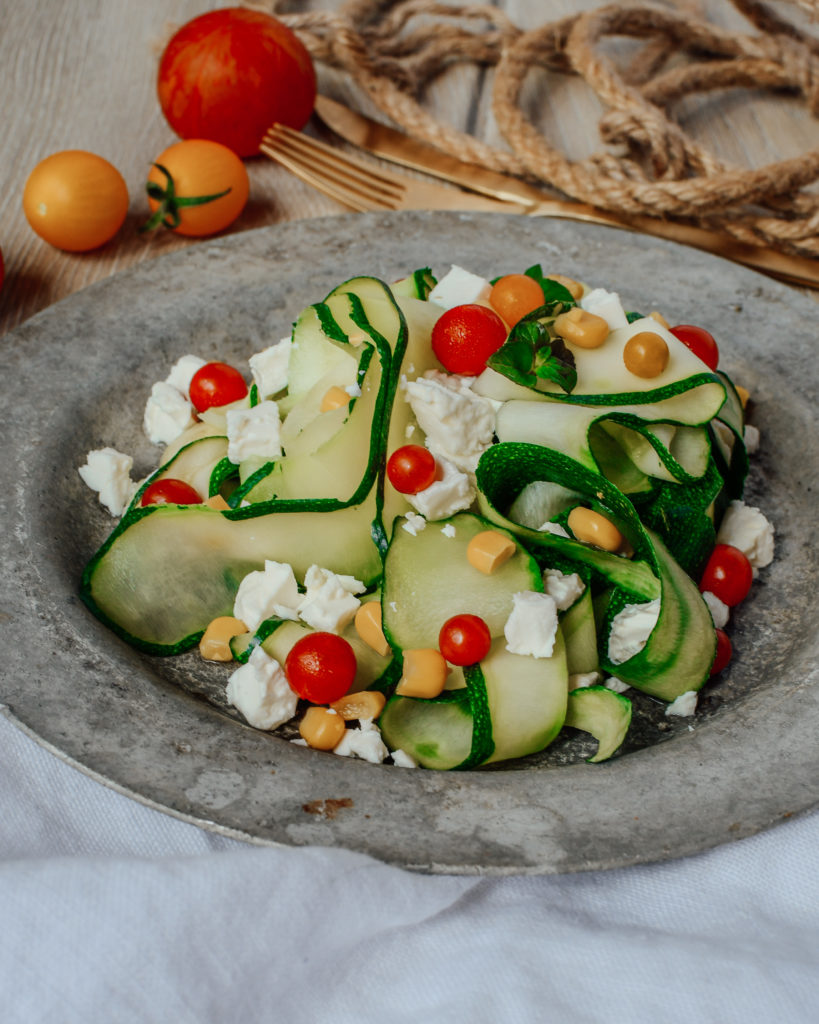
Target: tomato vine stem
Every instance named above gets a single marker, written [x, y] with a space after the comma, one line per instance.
[167, 213]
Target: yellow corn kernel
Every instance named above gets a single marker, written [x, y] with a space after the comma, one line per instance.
[574, 288]
[368, 626]
[489, 550]
[217, 502]
[590, 527]
[215, 642]
[366, 704]
[321, 728]
[334, 398]
[581, 328]
[744, 394]
[660, 319]
[424, 675]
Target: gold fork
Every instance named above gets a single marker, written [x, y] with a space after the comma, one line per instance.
[361, 184]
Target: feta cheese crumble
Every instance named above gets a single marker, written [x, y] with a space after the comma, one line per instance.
[746, 528]
[452, 493]
[684, 706]
[108, 472]
[364, 742]
[532, 626]
[580, 680]
[167, 413]
[182, 373]
[613, 683]
[254, 432]
[605, 304]
[555, 529]
[269, 368]
[565, 588]
[414, 523]
[401, 759]
[266, 593]
[719, 609]
[330, 602]
[630, 629]
[459, 287]
[751, 438]
[459, 425]
[259, 689]
[448, 530]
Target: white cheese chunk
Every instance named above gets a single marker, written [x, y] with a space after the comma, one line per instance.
[108, 472]
[532, 626]
[167, 413]
[254, 432]
[267, 593]
[684, 706]
[565, 588]
[414, 523]
[269, 368]
[401, 759]
[630, 629]
[580, 680]
[605, 304]
[364, 742]
[719, 609]
[452, 493]
[182, 373]
[330, 602]
[259, 689]
[554, 528]
[459, 287]
[448, 530]
[746, 528]
[613, 683]
[751, 438]
[459, 425]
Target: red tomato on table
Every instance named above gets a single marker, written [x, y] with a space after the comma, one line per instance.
[411, 469]
[228, 75]
[464, 337]
[169, 491]
[464, 640]
[700, 341]
[728, 574]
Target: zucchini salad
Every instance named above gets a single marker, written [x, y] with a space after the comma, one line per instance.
[442, 520]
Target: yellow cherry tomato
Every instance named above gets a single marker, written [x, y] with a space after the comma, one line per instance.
[196, 187]
[75, 200]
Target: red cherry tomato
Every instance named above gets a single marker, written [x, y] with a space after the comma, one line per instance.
[464, 640]
[700, 342]
[515, 295]
[464, 337]
[724, 652]
[320, 667]
[216, 384]
[411, 469]
[170, 492]
[728, 574]
[228, 75]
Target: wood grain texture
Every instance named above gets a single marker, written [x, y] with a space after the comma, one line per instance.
[82, 76]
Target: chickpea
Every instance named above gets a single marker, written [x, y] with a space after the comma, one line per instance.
[321, 728]
[590, 527]
[586, 330]
[646, 355]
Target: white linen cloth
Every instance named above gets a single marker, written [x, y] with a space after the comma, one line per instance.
[113, 912]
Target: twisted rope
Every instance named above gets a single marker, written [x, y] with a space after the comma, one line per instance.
[393, 49]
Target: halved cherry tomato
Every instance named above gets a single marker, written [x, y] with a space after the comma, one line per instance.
[204, 190]
[228, 75]
[700, 342]
[464, 640]
[216, 384]
[320, 667]
[464, 337]
[75, 200]
[515, 295]
[411, 469]
[724, 653]
[728, 574]
[169, 491]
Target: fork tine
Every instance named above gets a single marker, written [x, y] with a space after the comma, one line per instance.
[356, 183]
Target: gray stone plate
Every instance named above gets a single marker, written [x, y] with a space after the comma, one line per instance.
[76, 377]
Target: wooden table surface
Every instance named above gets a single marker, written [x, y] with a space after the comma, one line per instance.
[82, 76]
